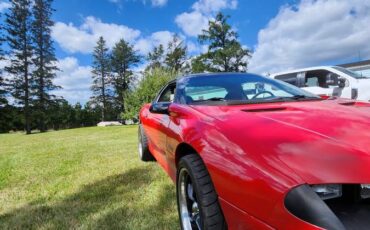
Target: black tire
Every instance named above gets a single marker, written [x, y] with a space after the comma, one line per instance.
[205, 199]
[143, 148]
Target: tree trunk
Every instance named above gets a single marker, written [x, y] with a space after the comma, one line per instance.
[42, 99]
[26, 100]
[103, 95]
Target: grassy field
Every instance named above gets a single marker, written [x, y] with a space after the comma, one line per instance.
[87, 178]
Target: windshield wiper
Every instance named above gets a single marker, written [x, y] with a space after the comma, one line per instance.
[296, 97]
[209, 100]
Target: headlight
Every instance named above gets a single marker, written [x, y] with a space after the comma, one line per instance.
[329, 191]
[365, 191]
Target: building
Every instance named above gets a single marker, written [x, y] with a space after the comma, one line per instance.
[361, 67]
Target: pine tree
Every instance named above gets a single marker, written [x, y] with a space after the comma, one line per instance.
[3, 92]
[156, 57]
[44, 59]
[3, 100]
[200, 64]
[225, 53]
[123, 58]
[101, 77]
[176, 54]
[18, 27]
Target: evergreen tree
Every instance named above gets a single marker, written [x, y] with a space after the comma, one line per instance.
[3, 92]
[200, 64]
[101, 77]
[44, 59]
[18, 27]
[225, 53]
[3, 100]
[176, 54]
[156, 57]
[78, 115]
[123, 58]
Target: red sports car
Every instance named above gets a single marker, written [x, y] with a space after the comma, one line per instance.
[249, 152]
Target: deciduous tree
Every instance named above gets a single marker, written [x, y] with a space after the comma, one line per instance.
[146, 90]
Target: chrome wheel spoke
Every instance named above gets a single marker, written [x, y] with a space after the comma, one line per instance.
[195, 217]
[196, 220]
[190, 192]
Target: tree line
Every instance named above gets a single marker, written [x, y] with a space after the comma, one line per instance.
[165, 62]
[118, 91]
[31, 65]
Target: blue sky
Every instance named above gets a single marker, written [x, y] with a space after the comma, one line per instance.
[248, 17]
[283, 34]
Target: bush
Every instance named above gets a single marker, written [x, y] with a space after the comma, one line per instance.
[146, 91]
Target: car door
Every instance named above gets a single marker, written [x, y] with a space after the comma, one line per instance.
[314, 81]
[325, 83]
[158, 125]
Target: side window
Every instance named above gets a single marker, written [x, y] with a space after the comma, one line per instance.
[168, 94]
[290, 78]
[312, 81]
[321, 78]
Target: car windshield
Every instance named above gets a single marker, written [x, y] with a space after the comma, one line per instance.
[237, 89]
[349, 72]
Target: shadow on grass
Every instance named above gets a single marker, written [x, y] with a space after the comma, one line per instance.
[130, 200]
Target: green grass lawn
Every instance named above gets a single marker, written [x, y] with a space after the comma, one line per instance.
[87, 178]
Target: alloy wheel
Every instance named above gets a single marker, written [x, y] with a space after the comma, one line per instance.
[189, 209]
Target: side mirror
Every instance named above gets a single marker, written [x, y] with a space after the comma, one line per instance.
[159, 107]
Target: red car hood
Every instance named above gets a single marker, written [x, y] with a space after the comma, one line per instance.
[322, 141]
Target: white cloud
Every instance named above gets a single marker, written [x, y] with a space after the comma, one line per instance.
[72, 39]
[159, 3]
[155, 3]
[311, 33]
[192, 47]
[194, 22]
[4, 6]
[75, 80]
[83, 39]
[145, 45]
[211, 6]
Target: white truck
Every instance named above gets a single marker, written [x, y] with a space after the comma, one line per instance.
[327, 81]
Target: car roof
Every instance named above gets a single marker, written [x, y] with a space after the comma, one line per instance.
[302, 70]
[217, 73]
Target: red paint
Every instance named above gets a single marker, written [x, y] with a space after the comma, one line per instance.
[257, 153]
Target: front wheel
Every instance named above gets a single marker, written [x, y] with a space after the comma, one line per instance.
[197, 199]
